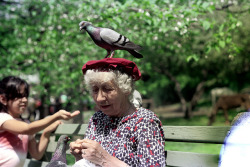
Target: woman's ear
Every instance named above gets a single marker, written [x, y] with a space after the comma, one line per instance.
[3, 99]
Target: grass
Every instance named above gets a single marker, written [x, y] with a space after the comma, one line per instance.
[197, 120]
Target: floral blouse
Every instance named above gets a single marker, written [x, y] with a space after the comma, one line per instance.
[136, 139]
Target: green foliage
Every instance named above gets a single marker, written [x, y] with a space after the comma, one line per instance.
[192, 40]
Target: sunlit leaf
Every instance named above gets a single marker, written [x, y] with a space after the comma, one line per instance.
[222, 44]
[206, 25]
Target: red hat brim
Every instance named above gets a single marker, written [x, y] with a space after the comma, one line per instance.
[123, 65]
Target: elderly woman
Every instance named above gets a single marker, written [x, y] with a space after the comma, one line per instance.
[119, 134]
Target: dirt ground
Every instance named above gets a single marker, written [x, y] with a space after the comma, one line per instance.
[174, 111]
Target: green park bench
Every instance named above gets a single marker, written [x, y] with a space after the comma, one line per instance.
[190, 134]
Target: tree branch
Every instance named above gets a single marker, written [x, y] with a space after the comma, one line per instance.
[241, 11]
[225, 6]
[177, 87]
[3, 2]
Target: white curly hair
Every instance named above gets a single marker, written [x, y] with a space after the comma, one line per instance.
[124, 82]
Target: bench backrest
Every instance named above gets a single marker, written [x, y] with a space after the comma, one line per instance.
[192, 134]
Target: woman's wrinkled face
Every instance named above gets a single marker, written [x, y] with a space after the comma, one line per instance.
[109, 98]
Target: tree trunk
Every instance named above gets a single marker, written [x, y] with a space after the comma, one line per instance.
[42, 108]
[178, 91]
[186, 109]
[198, 93]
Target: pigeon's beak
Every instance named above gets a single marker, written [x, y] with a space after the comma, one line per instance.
[68, 138]
[81, 28]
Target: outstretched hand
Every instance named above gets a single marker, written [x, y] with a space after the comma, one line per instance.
[62, 114]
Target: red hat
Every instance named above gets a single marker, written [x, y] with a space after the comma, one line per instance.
[123, 65]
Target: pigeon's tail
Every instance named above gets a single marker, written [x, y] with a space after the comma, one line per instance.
[135, 54]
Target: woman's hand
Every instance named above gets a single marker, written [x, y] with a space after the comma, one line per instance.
[75, 149]
[88, 149]
[93, 151]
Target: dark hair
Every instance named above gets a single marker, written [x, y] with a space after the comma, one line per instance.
[10, 87]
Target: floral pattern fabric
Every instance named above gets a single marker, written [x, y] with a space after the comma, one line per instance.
[136, 139]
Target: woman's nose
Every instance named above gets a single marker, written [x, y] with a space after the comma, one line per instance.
[100, 96]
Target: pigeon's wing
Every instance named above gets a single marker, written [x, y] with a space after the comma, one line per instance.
[114, 38]
[57, 164]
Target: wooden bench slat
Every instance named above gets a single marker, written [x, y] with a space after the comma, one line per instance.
[71, 129]
[51, 146]
[188, 159]
[196, 134]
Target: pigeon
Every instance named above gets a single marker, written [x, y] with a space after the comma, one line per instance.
[59, 157]
[110, 40]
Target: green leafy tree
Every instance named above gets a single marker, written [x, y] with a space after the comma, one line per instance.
[188, 46]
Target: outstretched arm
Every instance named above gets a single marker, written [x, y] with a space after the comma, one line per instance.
[37, 150]
[20, 127]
